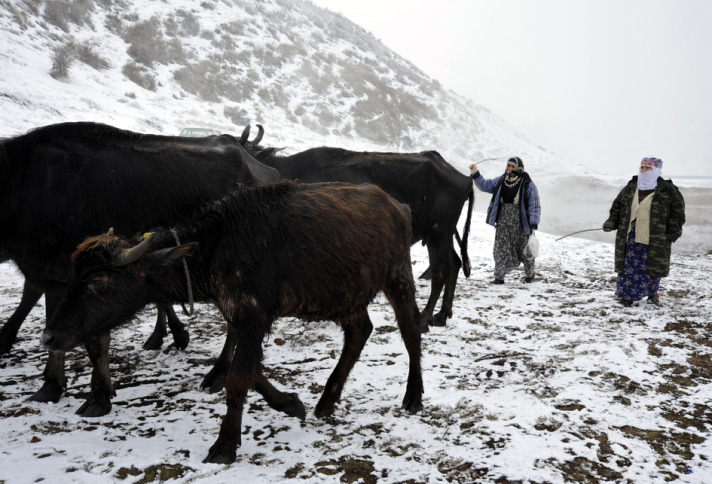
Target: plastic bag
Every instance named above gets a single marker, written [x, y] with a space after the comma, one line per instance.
[531, 250]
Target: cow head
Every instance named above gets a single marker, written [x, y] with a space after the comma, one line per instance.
[246, 134]
[258, 152]
[111, 283]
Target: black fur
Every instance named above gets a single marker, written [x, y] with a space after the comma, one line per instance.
[62, 183]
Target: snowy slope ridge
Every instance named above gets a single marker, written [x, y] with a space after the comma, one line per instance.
[295, 67]
[549, 382]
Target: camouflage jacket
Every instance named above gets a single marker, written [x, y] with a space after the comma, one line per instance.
[667, 215]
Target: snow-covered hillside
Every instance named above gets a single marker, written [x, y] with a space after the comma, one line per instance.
[310, 76]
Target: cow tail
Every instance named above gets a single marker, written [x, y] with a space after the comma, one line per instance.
[4, 165]
[466, 267]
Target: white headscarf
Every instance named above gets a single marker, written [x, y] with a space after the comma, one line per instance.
[648, 180]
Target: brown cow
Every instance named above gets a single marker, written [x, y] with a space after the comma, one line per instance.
[315, 252]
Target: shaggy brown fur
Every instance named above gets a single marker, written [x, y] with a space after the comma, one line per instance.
[312, 251]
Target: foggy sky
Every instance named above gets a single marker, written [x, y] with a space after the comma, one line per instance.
[600, 82]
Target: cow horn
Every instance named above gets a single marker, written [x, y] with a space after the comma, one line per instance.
[111, 231]
[245, 134]
[258, 138]
[129, 256]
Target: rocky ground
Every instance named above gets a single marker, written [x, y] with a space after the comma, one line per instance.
[548, 382]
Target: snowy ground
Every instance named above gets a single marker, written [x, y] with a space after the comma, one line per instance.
[549, 382]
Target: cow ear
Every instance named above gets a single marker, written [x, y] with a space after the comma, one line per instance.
[171, 255]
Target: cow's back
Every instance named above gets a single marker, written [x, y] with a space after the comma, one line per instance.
[344, 239]
[426, 182]
[370, 231]
[66, 182]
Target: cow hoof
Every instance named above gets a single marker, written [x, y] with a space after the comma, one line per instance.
[213, 382]
[154, 342]
[181, 339]
[413, 402]
[50, 392]
[425, 275]
[219, 454]
[214, 387]
[323, 411]
[5, 343]
[95, 407]
[438, 320]
[295, 407]
[412, 408]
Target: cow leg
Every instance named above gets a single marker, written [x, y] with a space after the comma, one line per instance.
[449, 292]
[357, 329]
[287, 403]
[214, 381]
[8, 333]
[155, 341]
[99, 401]
[426, 274]
[180, 335]
[243, 373]
[439, 261]
[401, 295]
[55, 380]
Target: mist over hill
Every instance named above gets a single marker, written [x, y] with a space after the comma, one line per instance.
[310, 76]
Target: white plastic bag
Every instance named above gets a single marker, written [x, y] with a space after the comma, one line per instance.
[531, 250]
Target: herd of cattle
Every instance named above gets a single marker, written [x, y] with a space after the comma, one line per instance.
[315, 235]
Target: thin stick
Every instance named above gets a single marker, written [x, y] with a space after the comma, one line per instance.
[490, 159]
[579, 232]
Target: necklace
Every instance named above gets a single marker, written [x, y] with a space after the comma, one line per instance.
[512, 183]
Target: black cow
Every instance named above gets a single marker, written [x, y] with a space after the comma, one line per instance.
[62, 183]
[31, 295]
[433, 189]
[316, 252]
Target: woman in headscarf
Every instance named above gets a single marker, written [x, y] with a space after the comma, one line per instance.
[648, 214]
[514, 211]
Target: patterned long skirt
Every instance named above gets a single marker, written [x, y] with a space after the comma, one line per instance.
[633, 283]
[509, 242]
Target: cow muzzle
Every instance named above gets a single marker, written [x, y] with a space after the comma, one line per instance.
[51, 341]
